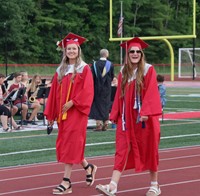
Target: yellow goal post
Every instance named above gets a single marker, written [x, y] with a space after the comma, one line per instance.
[163, 38]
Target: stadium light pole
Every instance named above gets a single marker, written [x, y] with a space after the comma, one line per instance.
[6, 48]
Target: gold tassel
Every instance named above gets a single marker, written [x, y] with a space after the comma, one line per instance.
[64, 116]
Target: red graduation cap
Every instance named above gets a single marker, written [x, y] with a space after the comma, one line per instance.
[136, 41]
[71, 38]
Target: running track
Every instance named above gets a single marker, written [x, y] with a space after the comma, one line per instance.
[179, 175]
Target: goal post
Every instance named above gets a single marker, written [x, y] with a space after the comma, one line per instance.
[164, 38]
[186, 67]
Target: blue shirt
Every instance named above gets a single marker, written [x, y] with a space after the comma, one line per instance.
[162, 91]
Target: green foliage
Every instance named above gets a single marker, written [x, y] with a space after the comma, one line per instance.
[30, 28]
[18, 31]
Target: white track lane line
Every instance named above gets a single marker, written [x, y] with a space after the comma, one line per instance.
[45, 164]
[123, 176]
[107, 166]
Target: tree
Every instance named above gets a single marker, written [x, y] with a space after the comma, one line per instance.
[31, 28]
[17, 27]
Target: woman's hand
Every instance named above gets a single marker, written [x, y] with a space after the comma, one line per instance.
[50, 122]
[144, 118]
[67, 106]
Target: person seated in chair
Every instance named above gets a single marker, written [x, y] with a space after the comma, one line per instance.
[22, 102]
[33, 88]
[25, 78]
[6, 101]
[6, 118]
[5, 113]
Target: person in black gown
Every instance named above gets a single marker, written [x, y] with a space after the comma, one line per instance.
[103, 74]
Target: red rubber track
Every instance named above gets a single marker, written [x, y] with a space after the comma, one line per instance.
[179, 175]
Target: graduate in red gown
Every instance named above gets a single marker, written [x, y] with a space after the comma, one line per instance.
[69, 103]
[136, 111]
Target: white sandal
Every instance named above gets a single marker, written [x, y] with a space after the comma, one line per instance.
[153, 191]
[105, 189]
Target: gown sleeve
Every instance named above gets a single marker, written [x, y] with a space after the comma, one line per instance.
[115, 111]
[150, 95]
[50, 109]
[83, 99]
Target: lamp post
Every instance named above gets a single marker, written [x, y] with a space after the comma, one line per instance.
[6, 48]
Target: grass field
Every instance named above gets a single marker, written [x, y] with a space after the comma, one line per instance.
[29, 147]
[48, 71]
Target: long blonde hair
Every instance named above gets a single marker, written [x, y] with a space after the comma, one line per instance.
[65, 62]
[127, 73]
[33, 86]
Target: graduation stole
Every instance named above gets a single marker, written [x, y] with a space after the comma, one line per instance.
[106, 68]
[95, 68]
[64, 116]
[60, 109]
[137, 105]
[123, 116]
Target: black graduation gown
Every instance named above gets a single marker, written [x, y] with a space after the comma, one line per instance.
[102, 91]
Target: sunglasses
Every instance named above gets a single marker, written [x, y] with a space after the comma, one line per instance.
[75, 39]
[135, 51]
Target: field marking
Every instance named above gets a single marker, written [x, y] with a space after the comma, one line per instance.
[165, 150]
[180, 136]
[163, 185]
[193, 95]
[26, 136]
[181, 109]
[91, 144]
[178, 149]
[188, 121]
[180, 157]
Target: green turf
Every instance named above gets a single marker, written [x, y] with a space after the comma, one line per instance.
[32, 70]
[18, 142]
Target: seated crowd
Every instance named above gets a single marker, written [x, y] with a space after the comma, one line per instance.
[19, 95]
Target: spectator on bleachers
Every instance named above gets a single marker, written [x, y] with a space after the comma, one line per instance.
[7, 102]
[5, 114]
[22, 102]
[25, 78]
[33, 88]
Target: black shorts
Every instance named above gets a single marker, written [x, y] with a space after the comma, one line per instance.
[5, 111]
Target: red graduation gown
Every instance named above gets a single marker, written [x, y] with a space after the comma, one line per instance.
[71, 138]
[142, 142]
